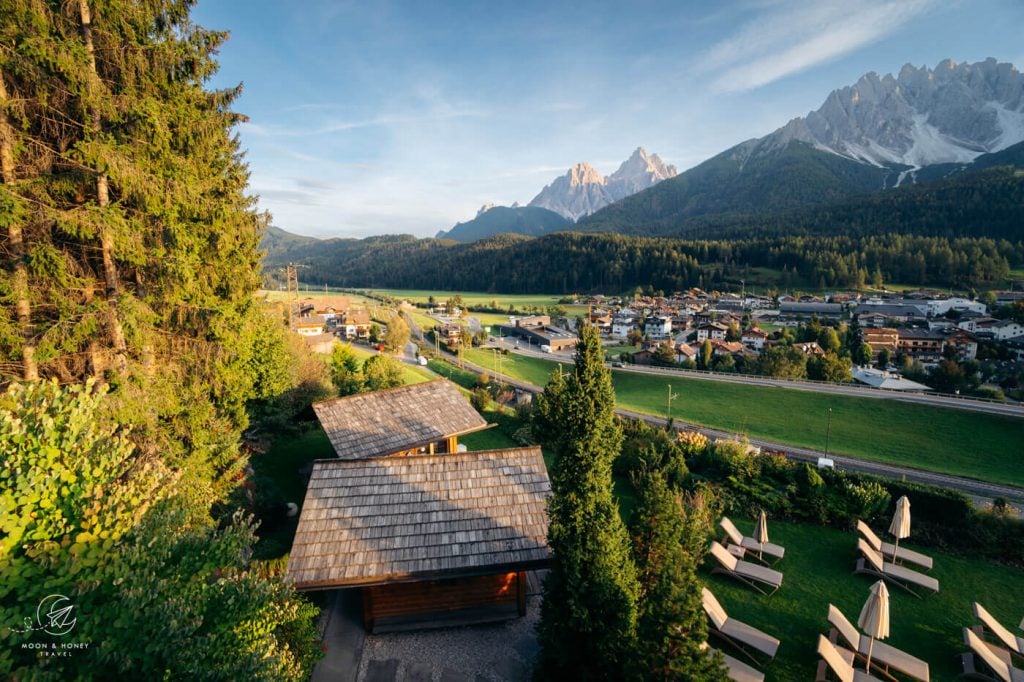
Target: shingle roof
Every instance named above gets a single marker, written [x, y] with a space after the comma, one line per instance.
[384, 422]
[398, 519]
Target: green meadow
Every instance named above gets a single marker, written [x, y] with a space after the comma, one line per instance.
[983, 446]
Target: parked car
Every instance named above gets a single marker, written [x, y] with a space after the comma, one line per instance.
[545, 349]
[422, 361]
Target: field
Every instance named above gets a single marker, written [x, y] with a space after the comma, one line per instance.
[950, 441]
[818, 570]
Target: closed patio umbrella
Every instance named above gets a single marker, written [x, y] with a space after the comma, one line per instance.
[874, 617]
[900, 526]
[761, 532]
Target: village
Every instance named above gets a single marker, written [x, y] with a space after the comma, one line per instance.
[893, 342]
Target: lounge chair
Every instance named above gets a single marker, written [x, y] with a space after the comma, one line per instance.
[891, 551]
[746, 638]
[883, 656]
[1012, 643]
[738, 671]
[987, 661]
[840, 662]
[733, 535]
[750, 573]
[872, 563]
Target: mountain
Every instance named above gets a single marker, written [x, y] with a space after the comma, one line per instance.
[279, 242]
[877, 134]
[952, 113]
[492, 220]
[583, 190]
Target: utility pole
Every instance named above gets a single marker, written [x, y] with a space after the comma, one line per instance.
[292, 277]
[671, 396]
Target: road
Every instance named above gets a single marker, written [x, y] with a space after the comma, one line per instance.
[956, 403]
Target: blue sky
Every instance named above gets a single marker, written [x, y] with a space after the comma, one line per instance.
[376, 117]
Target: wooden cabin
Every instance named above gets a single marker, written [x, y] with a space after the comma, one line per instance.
[425, 418]
[430, 540]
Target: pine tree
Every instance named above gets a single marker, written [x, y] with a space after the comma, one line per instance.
[588, 615]
[671, 627]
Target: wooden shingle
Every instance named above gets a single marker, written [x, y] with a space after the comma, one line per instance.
[396, 419]
[395, 519]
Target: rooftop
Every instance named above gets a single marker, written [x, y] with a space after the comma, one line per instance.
[399, 519]
[396, 419]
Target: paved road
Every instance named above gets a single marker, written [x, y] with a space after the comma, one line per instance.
[1005, 409]
[980, 491]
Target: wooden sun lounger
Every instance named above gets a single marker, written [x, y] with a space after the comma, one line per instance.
[883, 656]
[733, 535]
[738, 671]
[890, 551]
[1013, 643]
[871, 563]
[987, 661]
[746, 638]
[840, 662]
[750, 573]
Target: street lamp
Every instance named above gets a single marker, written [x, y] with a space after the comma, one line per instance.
[671, 396]
[828, 430]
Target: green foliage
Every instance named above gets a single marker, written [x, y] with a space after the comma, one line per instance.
[782, 362]
[669, 539]
[346, 370]
[72, 486]
[397, 335]
[588, 614]
[830, 367]
[159, 590]
[380, 372]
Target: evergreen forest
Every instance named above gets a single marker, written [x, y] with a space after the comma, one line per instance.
[132, 354]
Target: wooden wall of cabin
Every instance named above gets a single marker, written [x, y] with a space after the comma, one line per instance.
[435, 603]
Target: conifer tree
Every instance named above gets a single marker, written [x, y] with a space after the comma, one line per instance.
[668, 541]
[588, 614]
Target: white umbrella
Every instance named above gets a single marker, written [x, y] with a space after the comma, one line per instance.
[900, 526]
[761, 533]
[874, 617]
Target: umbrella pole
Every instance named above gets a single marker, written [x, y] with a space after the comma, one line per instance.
[871, 645]
[895, 551]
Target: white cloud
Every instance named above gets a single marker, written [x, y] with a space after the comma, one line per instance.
[795, 36]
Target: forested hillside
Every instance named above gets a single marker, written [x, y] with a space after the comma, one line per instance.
[131, 346]
[573, 262]
[985, 203]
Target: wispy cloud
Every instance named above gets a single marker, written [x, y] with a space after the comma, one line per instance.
[795, 36]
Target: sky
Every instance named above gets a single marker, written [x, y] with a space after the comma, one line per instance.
[377, 117]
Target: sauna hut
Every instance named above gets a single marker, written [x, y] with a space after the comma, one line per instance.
[425, 418]
[429, 539]
[430, 536]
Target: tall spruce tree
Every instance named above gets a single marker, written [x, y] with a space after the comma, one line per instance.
[668, 539]
[588, 614]
[129, 253]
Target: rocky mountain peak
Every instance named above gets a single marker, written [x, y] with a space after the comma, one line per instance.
[583, 190]
[484, 209]
[921, 116]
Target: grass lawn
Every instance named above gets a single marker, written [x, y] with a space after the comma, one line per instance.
[818, 571]
[471, 299]
[971, 444]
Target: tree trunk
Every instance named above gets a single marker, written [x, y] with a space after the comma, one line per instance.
[23, 310]
[103, 199]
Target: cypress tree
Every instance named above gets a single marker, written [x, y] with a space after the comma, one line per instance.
[588, 614]
[668, 540]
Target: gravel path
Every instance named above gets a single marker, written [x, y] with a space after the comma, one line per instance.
[503, 652]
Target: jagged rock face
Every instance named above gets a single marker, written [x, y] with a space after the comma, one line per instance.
[584, 190]
[951, 113]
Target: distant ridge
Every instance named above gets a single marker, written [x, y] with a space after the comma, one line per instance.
[879, 133]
